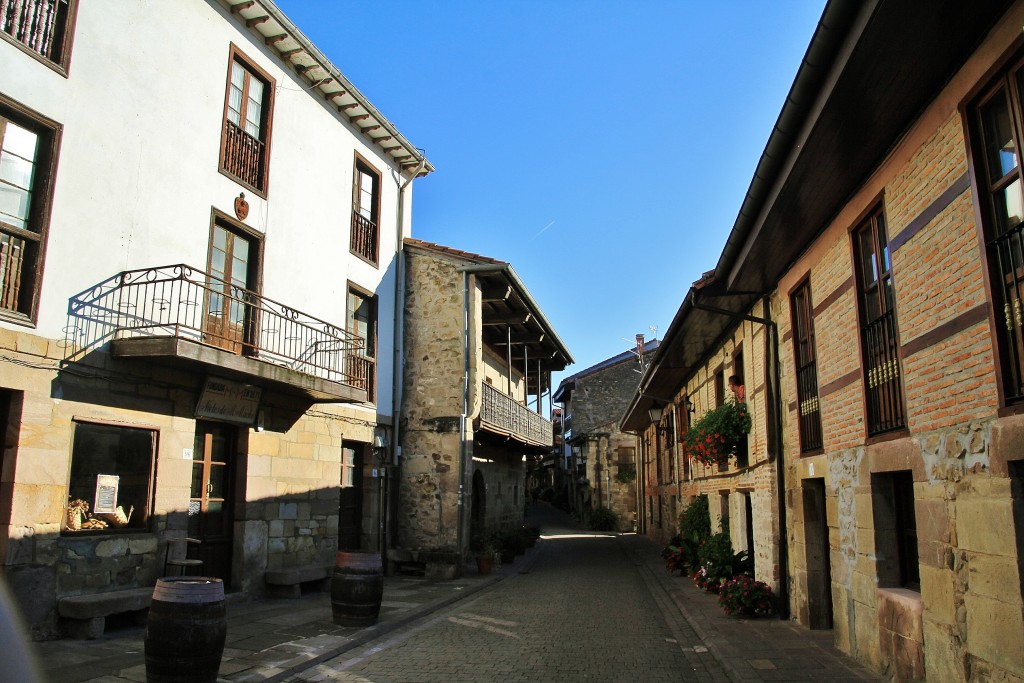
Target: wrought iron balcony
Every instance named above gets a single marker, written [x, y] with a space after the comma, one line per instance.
[182, 314]
[503, 414]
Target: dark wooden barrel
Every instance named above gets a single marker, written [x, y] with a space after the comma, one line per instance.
[357, 587]
[185, 630]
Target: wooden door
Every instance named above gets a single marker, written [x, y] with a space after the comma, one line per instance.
[350, 505]
[229, 310]
[210, 503]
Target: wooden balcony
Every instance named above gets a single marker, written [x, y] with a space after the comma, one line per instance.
[181, 316]
[503, 414]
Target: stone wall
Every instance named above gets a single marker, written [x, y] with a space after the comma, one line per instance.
[432, 403]
[286, 495]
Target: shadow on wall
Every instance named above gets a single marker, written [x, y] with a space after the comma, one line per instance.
[293, 531]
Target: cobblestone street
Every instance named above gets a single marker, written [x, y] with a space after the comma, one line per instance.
[582, 610]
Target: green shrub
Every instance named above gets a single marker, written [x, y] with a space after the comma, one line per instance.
[745, 596]
[695, 520]
[718, 562]
[603, 519]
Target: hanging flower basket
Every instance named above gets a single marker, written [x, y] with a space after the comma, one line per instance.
[713, 438]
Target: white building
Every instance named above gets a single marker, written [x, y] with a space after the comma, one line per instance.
[200, 223]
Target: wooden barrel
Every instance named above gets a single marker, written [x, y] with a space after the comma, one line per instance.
[357, 587]
[185, 630]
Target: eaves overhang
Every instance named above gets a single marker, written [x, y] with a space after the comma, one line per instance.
[870, 70]
[270, 25]
[511, 317]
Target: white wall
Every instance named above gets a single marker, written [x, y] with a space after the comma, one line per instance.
[138, 171]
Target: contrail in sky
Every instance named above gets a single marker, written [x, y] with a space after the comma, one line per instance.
[542, 231]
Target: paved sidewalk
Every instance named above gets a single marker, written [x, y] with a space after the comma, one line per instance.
[764, 649]
[269, 639]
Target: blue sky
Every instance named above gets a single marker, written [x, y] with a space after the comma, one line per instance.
[603, 148]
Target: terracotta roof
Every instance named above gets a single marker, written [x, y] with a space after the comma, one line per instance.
[454, 253]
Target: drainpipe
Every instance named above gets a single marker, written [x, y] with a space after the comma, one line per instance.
[775, 407]
[398, 363]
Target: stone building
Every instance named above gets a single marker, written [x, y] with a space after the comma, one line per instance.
[602, 459]
[199, 224]
[479, 357]
[882, 233]
[684, 381]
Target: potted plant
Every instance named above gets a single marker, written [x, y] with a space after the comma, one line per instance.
[713, 438]
[744, 596]
[485, 558]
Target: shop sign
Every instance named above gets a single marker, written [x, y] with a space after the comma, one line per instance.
[229, 401]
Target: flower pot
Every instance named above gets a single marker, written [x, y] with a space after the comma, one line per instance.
[485, 564]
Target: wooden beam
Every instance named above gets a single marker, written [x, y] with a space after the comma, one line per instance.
[404, 156]
[242, 6]
[518, 340]
[273, 40]
[331, 95]
[370, 129]
[514, 319]
[304, 69]
[346, 107]
[288, 54]
[256, 21]
[361, 117]
[496, 294]
[381, 141]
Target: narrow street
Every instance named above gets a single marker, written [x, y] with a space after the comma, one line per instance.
[581, 610]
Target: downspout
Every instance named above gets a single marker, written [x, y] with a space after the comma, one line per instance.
[460, 536]
[775, 408]
[397, 367]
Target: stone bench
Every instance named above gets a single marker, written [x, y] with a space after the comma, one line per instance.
[84, 616]
[431, 564]
[287, 583]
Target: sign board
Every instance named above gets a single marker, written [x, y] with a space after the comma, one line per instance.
[106, 493]
[229, 401]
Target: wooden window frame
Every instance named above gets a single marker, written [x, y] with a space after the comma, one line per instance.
[1002, 245]
[884, 401]
[141, 512]
[262, 184]
[43, 183]
[364, 240]
[805, 365]
[370, 358]
[250, 341]
[58, 57]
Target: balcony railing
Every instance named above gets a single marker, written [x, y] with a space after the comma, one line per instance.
[243, 155]
[37, 24]
[364, 237]
[504, 414]
[183, 302]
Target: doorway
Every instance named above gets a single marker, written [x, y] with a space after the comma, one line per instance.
[233, 277]
[211, 499]
[350, 503]
[819, 562]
